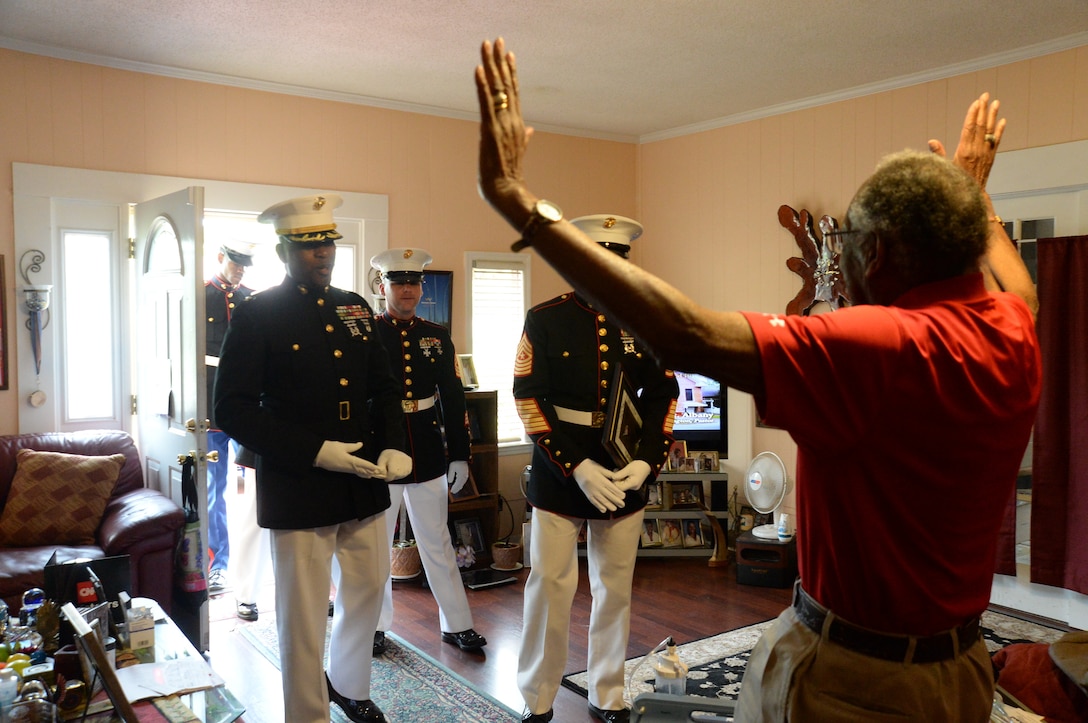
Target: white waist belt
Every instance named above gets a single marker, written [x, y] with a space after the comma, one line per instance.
[584, 419]
[416, 405]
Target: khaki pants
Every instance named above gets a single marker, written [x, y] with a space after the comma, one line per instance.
[795, 675]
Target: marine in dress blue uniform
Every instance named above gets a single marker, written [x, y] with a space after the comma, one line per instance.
[304, 382]
[423, 356]
[565, 365]
[222, 294]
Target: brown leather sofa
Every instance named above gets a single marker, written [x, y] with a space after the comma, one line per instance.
[139, 522]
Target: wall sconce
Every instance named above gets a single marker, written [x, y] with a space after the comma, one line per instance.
[37, 303]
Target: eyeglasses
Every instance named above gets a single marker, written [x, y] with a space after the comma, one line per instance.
[833, 239]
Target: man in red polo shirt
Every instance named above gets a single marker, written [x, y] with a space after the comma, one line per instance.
[925, 388]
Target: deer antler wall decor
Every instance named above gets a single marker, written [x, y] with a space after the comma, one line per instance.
[818, 268]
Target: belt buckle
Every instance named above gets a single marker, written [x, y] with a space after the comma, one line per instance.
[409, 405]
[598, 420]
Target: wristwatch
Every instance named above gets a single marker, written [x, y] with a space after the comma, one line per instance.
[544, 212]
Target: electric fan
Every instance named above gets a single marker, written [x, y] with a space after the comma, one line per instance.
[765, 486]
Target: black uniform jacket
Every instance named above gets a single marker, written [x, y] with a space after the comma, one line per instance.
[423, 355]
[220, 299]
[300, 366]
[567, 357]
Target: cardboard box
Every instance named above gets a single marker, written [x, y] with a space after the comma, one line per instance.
[141, 629]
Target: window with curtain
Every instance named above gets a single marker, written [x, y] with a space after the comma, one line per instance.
[498, 294]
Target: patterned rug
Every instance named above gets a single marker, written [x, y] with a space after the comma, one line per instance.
[409, 685]
[716, 664]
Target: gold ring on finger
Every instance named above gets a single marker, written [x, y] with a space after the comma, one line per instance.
[502, 100]
[991, 138]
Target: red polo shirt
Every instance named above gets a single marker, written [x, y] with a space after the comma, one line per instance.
[911, 421]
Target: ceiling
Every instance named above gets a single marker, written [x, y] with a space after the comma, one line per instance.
[632, 70]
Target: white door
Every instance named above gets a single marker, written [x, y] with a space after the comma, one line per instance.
[168, 344]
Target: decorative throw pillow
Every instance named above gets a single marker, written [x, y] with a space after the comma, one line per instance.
[57, 498]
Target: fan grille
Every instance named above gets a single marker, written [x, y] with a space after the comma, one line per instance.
[765, 483]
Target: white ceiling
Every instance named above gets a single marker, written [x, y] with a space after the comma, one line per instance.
[622, 69]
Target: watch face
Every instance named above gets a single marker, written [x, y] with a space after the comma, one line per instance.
[549, 211]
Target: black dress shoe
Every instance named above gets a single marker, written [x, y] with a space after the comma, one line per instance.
[465, 640]
[537, 717]
[360, 711]
[379, 642]
[609, 716]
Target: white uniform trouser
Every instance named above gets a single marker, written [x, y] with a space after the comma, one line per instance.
[249, 549]
[427, 504]
[611, 548]
[301, 560]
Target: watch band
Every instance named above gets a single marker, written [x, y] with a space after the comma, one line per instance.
[544, 212]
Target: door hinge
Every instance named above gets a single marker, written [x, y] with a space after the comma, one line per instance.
[132, 405]
[132, 248]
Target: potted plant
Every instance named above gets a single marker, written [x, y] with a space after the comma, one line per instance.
[505, 554]
[404, 562]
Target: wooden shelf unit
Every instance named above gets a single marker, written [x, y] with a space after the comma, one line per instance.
[483, 411]
[667, 512]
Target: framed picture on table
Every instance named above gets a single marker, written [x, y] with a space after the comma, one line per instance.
[470, 533]
[90, 643]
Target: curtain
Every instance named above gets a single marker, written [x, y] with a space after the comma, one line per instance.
[1059, 495]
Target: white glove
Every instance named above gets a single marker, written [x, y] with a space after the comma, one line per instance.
[598, 487]
[632, 476]
[395, 464]
[338, 457]
[457, 475]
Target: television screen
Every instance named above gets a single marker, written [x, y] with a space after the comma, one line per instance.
[700, 414]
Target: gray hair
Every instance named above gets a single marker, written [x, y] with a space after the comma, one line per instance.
[930, 213]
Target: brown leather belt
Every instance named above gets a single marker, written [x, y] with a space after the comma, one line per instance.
[899, 648]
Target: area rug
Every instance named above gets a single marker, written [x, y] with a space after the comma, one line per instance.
[716, 664]
[409, 685]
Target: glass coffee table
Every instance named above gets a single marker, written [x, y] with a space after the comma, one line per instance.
[210, 705]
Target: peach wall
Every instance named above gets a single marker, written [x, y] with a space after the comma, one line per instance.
[713, 194]
[716, 194]
[61, 113]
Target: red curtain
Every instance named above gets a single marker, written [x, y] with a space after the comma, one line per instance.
[1059, 494]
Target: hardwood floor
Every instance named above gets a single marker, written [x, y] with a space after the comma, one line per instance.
[682, 597]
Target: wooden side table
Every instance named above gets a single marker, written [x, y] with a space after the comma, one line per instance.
[766, 563]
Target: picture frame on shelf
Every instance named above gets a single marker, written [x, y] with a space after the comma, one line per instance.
[687, 465]
[685, 495]
[705, 461]
[468, 492]
[653, 496]
[678, 451]
[672, 535]
[466, 370]
[693, 533]
[470, 533]
[651, 533]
